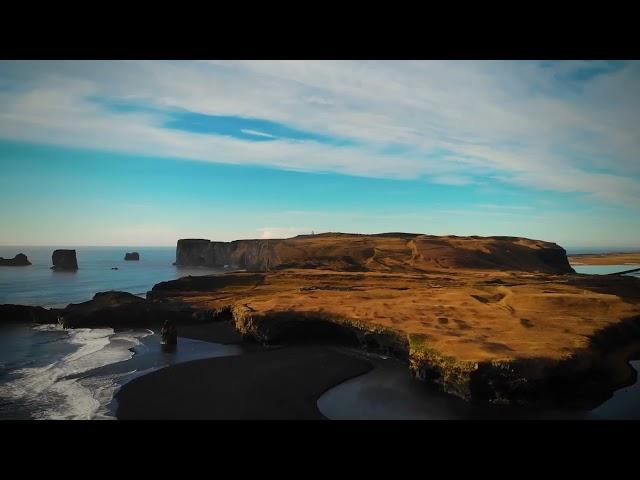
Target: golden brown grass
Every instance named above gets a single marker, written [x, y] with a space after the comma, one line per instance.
[469, 315]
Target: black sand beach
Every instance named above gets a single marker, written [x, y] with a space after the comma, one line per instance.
[277, 384]
[218, 332]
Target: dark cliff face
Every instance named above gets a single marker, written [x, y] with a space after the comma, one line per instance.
[192, 252]
[255, 255]
[64, 260]
[556, 258]
[25, 313]
[20, 260]
[390, 252]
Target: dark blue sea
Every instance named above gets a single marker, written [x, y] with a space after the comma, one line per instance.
[39, 285]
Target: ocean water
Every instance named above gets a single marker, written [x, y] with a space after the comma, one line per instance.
[48, 373]
[37, 284]
[607, 269]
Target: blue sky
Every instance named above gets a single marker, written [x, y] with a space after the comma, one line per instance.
[121, 153]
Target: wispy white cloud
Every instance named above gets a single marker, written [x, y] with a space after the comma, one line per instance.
[564, 126]
[452, 179]
[256, 133]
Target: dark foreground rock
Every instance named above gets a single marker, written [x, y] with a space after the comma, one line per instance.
[132, 256]
[64, 260]
[20, 260]
[24, 313]
[122, 309]
[169, 333]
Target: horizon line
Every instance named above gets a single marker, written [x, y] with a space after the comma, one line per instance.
[633, 249]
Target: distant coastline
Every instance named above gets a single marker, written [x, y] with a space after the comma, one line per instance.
[614, 258]
[438, 305]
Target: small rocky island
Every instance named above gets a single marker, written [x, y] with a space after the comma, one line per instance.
[132, 256]
[64, 260]
[20, 260]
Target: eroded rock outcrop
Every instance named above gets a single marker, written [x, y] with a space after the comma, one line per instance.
[132, 256]
[389, 252]
[20, 260]
[169, 333]
[24, 313]
[121, 309]
[64, 260]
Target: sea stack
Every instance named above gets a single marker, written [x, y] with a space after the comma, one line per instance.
[132, 256]
[169, 334]
[20, 260]
[64, 260]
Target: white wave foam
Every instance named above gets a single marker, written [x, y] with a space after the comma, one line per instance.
[49, 327]
[59, 390]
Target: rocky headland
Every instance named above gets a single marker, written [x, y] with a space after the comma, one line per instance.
[20, 260]
[499, 320]
[490, 319]
[388, 252]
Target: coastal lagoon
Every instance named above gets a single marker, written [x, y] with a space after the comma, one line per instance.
[606, 269]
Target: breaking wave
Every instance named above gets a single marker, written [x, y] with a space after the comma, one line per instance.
[62, 389]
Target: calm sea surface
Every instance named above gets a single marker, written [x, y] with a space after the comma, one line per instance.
[37, 284]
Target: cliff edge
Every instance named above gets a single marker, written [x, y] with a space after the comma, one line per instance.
[387, 252]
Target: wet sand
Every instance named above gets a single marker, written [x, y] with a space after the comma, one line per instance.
[388, 392]
[217, 332]
[277, 384]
